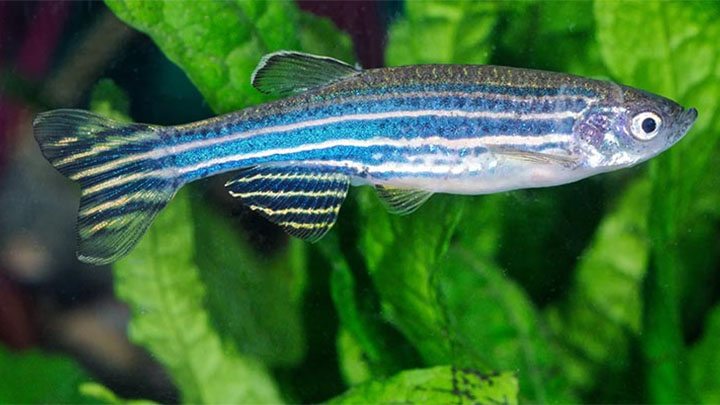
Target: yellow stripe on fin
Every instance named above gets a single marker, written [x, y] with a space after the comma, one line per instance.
[303, 200]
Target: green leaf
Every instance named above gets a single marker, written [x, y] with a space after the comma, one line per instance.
[425, 294]
[34, 377]
[353, 363]
[437, 385]
[401, 253]
[219, 43]
[670, 49]
[493, 325]
[109, 100]
[219, 53]
[319, 36]
[365, 341]
[161, 283]
[100, 394]
[481, 227]
[363, 334]
[442, 32]
[603, 311]
[253, 300]
[704, 359]
[549, 35]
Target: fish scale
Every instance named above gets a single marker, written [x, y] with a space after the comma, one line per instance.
[409, 131]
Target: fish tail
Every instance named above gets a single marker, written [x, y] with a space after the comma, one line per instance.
[123, 184]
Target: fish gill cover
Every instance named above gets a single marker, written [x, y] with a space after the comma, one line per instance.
[532, 296]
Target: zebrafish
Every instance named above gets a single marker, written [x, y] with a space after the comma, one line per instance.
[409, 131]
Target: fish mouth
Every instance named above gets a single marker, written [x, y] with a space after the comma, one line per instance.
[685, 121]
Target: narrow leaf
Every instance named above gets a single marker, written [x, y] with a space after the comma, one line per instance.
[161, 283]
[704, 361]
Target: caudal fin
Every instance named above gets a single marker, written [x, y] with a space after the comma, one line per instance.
[124, 181]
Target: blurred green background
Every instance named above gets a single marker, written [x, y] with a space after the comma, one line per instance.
[602, 291]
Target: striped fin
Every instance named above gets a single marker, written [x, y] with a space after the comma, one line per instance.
[402, 201]
[117, 205]
[303, 200]
[286, 72]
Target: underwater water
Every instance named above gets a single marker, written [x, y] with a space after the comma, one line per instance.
[605, 290]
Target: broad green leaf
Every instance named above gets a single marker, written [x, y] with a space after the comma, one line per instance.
[704, 359]
[219, 43]
[216, 43]
[254, 300]
[493, 325]
[161, 283]
[549, 35]
[603, 311]
[442, 32]
[401, 253]
[437, 385]
[670, 49]
[33, 377]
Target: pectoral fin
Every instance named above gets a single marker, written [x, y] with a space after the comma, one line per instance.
[532, 156]
[402, 201]
[304, 201]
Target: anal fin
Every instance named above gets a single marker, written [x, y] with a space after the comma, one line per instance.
[402, 201]
[303, 200]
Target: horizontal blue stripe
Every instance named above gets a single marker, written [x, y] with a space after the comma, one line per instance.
[392, 128]
[399, 104]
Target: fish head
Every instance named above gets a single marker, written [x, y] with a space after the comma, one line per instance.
[630, 127]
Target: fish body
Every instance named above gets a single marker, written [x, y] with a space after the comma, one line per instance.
[410, 131]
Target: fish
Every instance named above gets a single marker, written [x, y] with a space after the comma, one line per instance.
[408, 131]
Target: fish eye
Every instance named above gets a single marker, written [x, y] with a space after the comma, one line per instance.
[645, 125]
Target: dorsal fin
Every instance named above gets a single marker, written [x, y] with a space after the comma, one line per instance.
[304, 200]
[287, 72]
[402, 201]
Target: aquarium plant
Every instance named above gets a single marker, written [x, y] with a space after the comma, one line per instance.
[604, 290]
